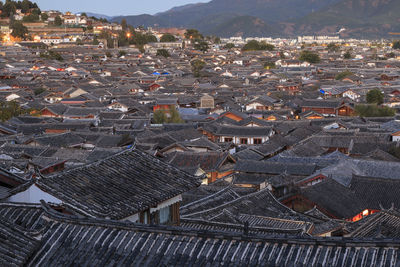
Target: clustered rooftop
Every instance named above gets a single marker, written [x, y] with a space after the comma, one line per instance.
[134, 160]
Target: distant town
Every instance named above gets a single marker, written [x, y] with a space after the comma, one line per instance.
[123, 145]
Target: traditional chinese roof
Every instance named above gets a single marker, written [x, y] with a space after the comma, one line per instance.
[269, 167]
[71, 241]
[118, 186]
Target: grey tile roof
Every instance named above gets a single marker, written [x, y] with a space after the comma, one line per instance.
[119, 186]
[208, 161]
[16, 247]
[68, 241]
[26, 216]
[238, 131]
[269, 167]
[260, 203]
[384, 224]
[333, 199]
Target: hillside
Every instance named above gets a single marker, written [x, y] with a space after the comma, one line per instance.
[362, 18]
[208, 16]
[242, 26]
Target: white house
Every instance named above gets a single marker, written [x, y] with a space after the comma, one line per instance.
[352, 95]
[118, 106]
[396, 136]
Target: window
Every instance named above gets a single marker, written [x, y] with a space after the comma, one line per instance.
[257, 141]
[228, 139]
[145, 217]
[243, 141]
[165, 215]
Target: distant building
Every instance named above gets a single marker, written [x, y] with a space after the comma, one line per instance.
[207, 101]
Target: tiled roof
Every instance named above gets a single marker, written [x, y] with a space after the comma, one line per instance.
[118, 186]
[78, 242]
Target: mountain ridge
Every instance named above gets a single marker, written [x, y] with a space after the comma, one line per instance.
[279, 17]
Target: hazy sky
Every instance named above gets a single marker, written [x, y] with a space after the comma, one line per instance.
[114, 7]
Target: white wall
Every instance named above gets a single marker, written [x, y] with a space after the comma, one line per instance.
[33, 195]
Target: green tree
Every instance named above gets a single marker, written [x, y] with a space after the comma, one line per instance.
[197, 67]
[170, 116]
[159, 117]
[10, 109]
[347, 55]
[44, 17]
[36, 11]
[58, 21]
[229, 46]
[167, 38]
[39, 91]
[107, 36]
[50, 54]
[150, 38]
[252, 45]
[309, 57]
[174, 116]
[124, 24]
[83, 14]
[193, 34]
[163, 53]
[95, 41]
[343, 74]
[9, 9]
[375, 96]
[140, 39]
[123, 39]
[269, 65]
[332, 47]
[31, 18]
[18, 29]
[201, 45]
[255, 45]
[78, 41]
[396, 45]
[374, 111]
[265, 46]
[25, 6]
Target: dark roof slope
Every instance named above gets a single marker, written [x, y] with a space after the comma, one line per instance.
[27, 216]
[119, 186]
[333, 198]
[208, 161]
[260, 203]
[269, 167]
[104, 243]
[15, 246]
[384, 224]
[225, 130]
